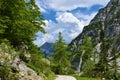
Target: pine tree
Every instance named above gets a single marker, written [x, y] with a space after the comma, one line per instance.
[61, 56]
[101, 66]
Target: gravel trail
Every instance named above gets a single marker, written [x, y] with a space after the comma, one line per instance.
[64, 77]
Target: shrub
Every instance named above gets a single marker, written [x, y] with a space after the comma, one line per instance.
[7, 74]
[111, 75]
[88, 67]
[7, 55]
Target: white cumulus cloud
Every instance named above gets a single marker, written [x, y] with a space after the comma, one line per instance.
[67, 23]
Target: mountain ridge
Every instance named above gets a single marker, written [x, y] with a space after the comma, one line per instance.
[91, 30]
[109, 17]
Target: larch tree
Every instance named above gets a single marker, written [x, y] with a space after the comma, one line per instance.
[61, 56]
[85, 51]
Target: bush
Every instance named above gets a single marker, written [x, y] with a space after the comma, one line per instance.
[41, 66]
[7, 74]
[111, 75]
[7, 55]
[88, 67]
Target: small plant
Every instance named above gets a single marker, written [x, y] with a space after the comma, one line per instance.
[29, 72]
[111, 75]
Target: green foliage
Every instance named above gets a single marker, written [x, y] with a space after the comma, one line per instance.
[36, 58]
[61, 63]
[42, 70]
[87, 47]
[83, 53]
[40, 65]
[20, 21]
[88, 67]
[92, 26]
[85, 78]
[112, 75]
[7, 55]
[33, 67]
[3, 24]
[101, 66]
[51, 77]
[7, 74]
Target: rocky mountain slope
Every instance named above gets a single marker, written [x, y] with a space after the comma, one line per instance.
[109, 17]
[13, 66]
[47, 48]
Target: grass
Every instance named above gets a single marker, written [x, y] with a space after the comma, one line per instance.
[85, 78]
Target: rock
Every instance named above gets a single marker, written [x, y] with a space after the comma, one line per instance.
[9, 57]
[27, 73]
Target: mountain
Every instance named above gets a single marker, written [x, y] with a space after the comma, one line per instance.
[107, 17]
[47, 49]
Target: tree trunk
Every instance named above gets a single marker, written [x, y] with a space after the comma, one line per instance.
[80, 63]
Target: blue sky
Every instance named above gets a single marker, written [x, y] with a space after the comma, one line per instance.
[66, 16]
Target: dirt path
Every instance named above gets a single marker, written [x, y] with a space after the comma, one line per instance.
[64, 77]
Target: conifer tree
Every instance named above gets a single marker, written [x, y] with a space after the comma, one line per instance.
[101, 66]
[85, 51]
[61, 56]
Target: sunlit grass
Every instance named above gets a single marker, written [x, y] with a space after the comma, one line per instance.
[85, 78]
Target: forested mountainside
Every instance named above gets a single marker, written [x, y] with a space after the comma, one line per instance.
[110, 16]
[104, 32]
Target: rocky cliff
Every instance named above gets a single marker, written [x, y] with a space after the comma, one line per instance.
[12, 67]
[109, 17]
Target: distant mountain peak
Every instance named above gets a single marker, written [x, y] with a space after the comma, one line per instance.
[47, 48]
